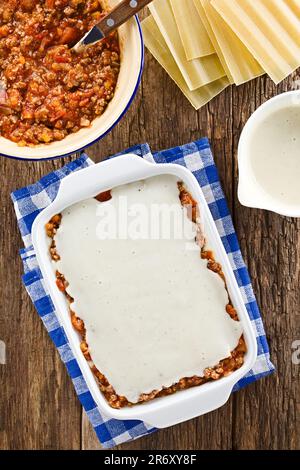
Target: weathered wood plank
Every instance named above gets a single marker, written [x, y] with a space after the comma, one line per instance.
[38, 408]
[267, 413]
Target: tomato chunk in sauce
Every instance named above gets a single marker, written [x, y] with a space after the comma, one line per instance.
[48, 91]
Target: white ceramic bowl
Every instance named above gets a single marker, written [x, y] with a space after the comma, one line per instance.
[165, 411]
[132, 61]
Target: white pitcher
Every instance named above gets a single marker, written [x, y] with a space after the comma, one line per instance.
[251, 190]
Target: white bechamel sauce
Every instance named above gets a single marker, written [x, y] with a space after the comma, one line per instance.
[153, 311]
[275, 154]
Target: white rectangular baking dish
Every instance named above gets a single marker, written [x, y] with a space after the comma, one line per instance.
[184, 405]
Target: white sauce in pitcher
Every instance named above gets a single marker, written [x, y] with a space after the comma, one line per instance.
[154, 313]
[275, 154]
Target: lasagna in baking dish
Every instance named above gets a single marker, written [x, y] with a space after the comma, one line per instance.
[145, 294]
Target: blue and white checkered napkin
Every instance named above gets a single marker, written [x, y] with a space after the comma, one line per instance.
[29, 201]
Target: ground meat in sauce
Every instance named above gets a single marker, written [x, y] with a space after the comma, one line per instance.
[46, 90]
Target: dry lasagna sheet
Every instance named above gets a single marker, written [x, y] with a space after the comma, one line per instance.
[270, 29]
[241, 66]
[197, 72]
[193, 34]
[154, 41]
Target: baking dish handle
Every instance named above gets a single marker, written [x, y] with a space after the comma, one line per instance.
[100, 177]
[178, 411]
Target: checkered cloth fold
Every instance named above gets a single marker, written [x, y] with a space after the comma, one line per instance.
[31, 200]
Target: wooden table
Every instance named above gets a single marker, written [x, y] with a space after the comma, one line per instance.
[38, 406]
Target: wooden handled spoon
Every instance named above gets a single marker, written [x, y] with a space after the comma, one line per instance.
[115, 18]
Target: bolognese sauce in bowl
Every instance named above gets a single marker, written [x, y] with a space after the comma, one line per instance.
[53, 100]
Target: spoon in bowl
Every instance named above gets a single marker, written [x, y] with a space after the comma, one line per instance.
[115, 18]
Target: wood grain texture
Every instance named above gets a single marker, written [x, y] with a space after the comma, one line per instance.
[38, 406]
[121, 13]
[270, 244]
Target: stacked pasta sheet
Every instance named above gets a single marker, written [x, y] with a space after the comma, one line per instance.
[206, 45]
